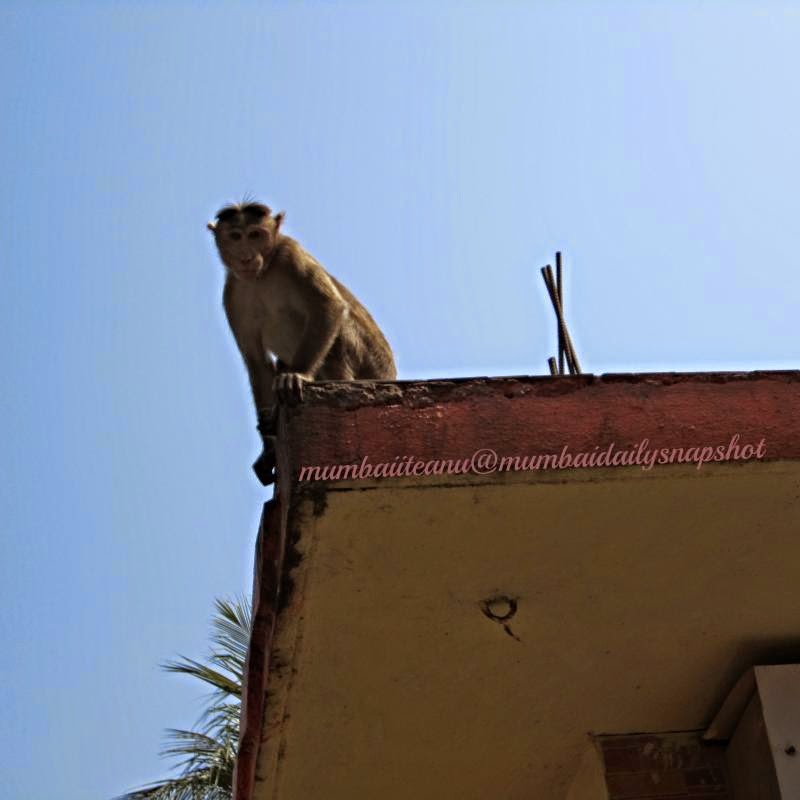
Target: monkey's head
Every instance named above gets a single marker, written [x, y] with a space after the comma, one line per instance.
[246, 235]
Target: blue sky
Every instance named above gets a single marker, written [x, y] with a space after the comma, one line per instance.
[433, 157]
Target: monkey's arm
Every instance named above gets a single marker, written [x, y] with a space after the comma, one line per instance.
[261, 372]
[245, 325]
[326, 317]
[262, 378]
[324, 310]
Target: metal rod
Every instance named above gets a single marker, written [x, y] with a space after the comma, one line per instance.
[560, 290]
[551, 362]
[572, 360]
[569, 348]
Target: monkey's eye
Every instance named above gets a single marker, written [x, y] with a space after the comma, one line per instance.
[235, 235]
[253, 235]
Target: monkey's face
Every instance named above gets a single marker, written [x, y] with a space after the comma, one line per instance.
[244, 248]
[245, 236]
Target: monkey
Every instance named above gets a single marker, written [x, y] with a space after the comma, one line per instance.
[293, 322]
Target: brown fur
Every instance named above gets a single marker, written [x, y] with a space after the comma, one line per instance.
[282, 303]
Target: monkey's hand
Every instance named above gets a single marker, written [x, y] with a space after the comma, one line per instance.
[288, 386]
[265, 464]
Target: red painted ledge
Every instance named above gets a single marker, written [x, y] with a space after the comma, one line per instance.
[270, 548]
[342, 422]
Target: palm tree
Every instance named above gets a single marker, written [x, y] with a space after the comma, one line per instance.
[206, 756]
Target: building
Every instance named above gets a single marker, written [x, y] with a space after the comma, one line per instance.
[544, 622]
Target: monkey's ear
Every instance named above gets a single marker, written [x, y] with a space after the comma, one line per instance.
[212, 226]
[279, 219]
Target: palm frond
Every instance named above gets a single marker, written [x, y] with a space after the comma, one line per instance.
[214, 678]
[206, 757]
[231, 629]
[188, 787]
